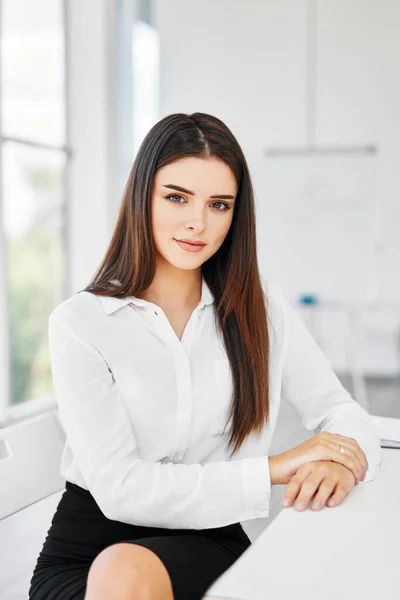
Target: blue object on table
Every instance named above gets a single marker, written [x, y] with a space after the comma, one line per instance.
[308, 299]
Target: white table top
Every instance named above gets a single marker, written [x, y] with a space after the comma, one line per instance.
[347, 552]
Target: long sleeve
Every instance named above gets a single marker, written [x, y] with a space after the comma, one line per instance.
[130, 489]
[313, 389]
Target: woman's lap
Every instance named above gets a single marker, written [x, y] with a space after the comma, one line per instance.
[193, 562]
[194, 559]
[58, 582]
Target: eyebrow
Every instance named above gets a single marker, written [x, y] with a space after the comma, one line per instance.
[181, 189]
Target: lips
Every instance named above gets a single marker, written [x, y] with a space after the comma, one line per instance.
[193, 243]
[190, 247]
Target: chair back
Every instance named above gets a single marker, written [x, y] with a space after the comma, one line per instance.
[30, 455]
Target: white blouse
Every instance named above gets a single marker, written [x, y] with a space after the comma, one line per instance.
[144, 412]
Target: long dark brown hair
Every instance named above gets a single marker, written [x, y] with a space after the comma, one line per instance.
[232, 273]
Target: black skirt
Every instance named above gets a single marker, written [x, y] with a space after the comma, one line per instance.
[79, 531]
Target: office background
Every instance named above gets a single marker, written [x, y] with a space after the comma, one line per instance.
[311, 90]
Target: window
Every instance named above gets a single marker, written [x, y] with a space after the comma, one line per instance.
[33, 196]
[137, 80]
[145, 78]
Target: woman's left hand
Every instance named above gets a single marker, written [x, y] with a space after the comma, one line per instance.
[329, 481]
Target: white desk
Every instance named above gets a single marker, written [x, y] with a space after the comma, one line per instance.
[349, 552]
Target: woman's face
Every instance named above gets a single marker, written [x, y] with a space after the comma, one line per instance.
[191, 212]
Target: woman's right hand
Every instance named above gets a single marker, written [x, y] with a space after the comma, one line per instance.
[323, 446]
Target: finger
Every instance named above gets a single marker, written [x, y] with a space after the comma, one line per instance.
[339, 494]
[307, 491]
[292, 489]
[294, 485]
[360, 452]
[333, 441]
[325, 490]
[351, 447]
[352, 456]
[345, 458]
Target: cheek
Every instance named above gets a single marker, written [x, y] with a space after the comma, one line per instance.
[220, 230]
[163, 220]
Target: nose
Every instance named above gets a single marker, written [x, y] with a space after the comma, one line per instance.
[196, 220]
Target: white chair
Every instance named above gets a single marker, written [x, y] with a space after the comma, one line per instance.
[31, 487]
[30, 462]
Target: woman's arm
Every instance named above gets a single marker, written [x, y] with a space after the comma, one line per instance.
[313, 389]
[127, 488]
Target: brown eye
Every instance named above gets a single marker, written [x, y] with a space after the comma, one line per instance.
[220, 204]
[227, 207]
[173, 196]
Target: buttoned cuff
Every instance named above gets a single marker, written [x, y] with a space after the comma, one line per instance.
[256, 481]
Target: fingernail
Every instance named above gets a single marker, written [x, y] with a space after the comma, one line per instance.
[331, 503]
[300, 505]
[316, 504]
[285, 502]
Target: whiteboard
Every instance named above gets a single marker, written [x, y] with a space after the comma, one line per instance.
[318, 221]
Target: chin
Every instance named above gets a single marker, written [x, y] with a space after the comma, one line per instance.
[186, 266]
[188, 263]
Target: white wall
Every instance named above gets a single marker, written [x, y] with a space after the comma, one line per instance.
[246, 62]
[92, 135]
[242, 61]
[359, 99]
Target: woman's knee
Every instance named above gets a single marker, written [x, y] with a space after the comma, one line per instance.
[125, 570]
[118, 572]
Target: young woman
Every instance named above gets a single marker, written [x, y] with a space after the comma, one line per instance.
[168, 371]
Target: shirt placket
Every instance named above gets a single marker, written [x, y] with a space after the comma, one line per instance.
[183, 374]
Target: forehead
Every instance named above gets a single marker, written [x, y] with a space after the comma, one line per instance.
[202, 176]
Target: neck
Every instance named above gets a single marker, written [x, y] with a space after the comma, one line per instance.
[174, 289]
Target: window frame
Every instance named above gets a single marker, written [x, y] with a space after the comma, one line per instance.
[96, 169]
[8, 413]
